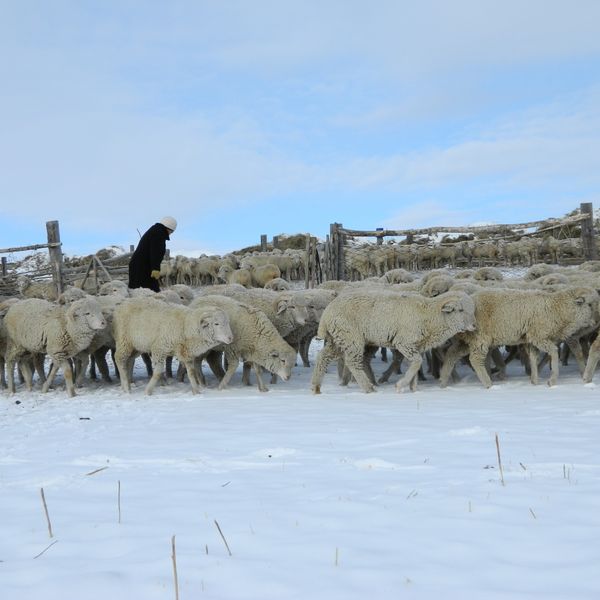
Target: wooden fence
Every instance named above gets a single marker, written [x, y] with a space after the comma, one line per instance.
[336, 242]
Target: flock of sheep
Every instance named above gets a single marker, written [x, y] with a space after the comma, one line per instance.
[369, 260]
[430, 320]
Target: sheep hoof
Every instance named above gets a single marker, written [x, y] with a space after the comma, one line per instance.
[316, 389]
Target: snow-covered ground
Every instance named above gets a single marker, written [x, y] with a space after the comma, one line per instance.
[338, 496]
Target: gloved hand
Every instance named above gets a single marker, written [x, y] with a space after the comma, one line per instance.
[155, 274]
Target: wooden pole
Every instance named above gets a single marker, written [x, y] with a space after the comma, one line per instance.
[334, 234]
[4, 266]
[275, 241]
[590, 252]
[263, 242]
[131, 247]
[56, 257]
[380, 237]
[307, 262]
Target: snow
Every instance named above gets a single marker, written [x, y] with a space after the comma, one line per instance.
[343, 495]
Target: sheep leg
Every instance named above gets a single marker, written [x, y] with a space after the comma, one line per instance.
[533, 365]
[169, 367]
[122, 356]
[38, 363]
[148, 362]
[552, 350]
[191, 371]
[27, 374]
[3, 384]
[477, 358]
[353, 357]
[456, 351]
[592, 361]
[303, 349]
[394, 367]
[246, 373]
[499, 362]
[327, 354]
[82, 361]
[93, 374]
[99, 357]
[215, 363]
[259, 380]
[412, 373]
[574, 345]
[65, 364]
[51, 376]
[158, 364]
[232, 364]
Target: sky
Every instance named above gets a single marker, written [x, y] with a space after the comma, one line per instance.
[273, 117]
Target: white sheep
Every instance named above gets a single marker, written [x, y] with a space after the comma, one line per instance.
[229, 274]
[61, 332]
[409, 323]
[510, 317]
[27, 288]
[277, 285]
[146, 325]
[255, 340]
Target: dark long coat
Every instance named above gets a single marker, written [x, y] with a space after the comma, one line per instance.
[147, 257]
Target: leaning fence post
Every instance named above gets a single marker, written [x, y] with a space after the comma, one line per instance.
[55, 252]
[588, 242]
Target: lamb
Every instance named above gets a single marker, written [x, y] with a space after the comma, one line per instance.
[114, 287]
[397, 276]
[537, 318]
[409, 323]
[146, 325]
[277, 285]
[488, 274]
[185, 293]
[27, 288]
[38, 326]
[255, 340]
[230, 275]
[437, 285]
[262, 274]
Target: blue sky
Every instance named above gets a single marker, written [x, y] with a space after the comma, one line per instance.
[240, 118]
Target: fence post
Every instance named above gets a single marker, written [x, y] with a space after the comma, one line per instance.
[379, 237]
[275, 241]
[131, 247]
[263, 242]
[588, 243]
[4, 266]
[55, 252]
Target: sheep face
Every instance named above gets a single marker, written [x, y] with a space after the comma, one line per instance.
[459, 313]
[281, 362]
[214, 326]
[587, 306]
[87, 311]
[289, 305]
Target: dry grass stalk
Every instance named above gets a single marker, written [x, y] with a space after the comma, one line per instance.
[119, 499]
[223, 537]
[174, 559]
[499, 460]
[46, 511]
[46, 548]
[96, 471]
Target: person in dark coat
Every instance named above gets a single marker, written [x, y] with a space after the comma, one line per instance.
[144, 266]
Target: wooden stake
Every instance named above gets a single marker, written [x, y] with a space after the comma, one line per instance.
[224, 540]
[174, 559]
[46, 511]
[499, 460]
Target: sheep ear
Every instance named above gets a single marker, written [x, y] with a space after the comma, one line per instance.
[580, 300]
[281, 306]
[449, 306]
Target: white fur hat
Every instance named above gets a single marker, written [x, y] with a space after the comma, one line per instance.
[169, 223]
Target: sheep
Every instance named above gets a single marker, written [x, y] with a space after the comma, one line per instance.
[161, 329]
[230, 275]
[409, 323]
[27, 288]
[277, 285]
[437, 285]
[262, 274]
[255, 340]
[280, 307]
[537, 318]
[4, 306]
[169, 295]
[38, 326]
[185, 293]
[70, 294]
[488, 274]
[114, 287]
[538, 270]
[397, 276]
[592, 361]
[315, 300]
